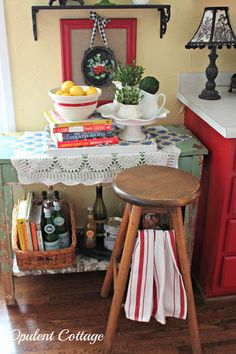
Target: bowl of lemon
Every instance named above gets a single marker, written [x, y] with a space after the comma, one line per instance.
[74, 102]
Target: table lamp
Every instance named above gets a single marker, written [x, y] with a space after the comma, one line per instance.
[214, 31]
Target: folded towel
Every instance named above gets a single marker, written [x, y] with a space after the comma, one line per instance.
[155, 286]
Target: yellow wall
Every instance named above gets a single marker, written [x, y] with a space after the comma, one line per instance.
[36, 66]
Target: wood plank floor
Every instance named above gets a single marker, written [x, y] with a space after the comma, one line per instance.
[72, 301]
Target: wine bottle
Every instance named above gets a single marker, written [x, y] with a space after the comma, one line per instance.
[90, 230]
[100, 214]
[60, 225]
[50, 238]
[56, 195]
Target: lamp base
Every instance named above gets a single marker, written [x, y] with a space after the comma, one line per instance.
[209, 95]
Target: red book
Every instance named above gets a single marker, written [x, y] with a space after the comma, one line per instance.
[85, 142]
[34, 236]
[83, 129]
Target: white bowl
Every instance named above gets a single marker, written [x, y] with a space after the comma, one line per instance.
[73, 108]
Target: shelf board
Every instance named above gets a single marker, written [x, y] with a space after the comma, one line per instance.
[163, 9]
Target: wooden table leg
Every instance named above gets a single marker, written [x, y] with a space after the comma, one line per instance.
[122, 278]
[116, 252]
[6, 206]
[176, 215]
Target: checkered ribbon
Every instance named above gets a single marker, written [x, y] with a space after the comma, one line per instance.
[101, 23]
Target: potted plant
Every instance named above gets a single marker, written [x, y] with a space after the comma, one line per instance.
[128, 100]
[129, 75]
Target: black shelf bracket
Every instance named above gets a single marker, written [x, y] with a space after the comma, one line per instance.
[163, 9]
[165, 18]
[34, 22]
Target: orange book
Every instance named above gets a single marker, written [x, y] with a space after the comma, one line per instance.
[34, 236]
[35, 226]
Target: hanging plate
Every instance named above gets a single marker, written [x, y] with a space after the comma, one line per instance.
[98, 65]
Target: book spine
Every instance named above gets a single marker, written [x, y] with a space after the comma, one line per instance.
[29, 236]
[23, 237]
[34, 236]
[83, 128]
[23, 246]
[87, 142]
[58, 121]
[89, 135]
[40, 238]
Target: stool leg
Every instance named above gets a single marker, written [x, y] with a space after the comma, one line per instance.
[177, 221]
[116, 252]
[122, 277]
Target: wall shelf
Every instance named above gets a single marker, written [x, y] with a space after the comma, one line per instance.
[163, 9]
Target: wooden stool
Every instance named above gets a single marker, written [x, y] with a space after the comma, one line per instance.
[166, 190]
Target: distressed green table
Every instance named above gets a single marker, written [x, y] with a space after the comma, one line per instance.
[191, 160]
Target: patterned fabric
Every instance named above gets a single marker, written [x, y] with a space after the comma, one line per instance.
[155, 286]
[101, 23]
[215, 28]
[33, 165]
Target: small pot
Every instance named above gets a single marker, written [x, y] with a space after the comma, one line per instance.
[127, 111]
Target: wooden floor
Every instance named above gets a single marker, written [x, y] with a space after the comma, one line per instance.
[71, 301]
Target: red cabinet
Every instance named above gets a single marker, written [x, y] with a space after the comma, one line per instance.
[214, 258]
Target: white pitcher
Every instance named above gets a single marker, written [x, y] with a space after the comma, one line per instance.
[150, 104]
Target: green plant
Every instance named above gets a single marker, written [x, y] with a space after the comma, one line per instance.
[149, 84]
[129, 75]
[128, 95]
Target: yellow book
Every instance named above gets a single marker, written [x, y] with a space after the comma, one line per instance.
[21, 225]
[57, 121]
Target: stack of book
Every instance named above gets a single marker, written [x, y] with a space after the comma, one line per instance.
[29, 225]
[90, 132]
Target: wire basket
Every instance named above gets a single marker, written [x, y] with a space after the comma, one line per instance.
[40, 260]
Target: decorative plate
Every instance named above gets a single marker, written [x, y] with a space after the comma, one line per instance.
[98, 66]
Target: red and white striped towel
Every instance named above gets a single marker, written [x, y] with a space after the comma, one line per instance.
[155, 286]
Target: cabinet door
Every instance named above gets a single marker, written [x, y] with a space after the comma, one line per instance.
[228, 276]
[233, 197]
[230, 243]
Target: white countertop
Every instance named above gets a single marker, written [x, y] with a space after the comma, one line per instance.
[219, 114]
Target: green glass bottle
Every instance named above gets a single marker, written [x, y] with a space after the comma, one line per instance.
[60, 225]
[50, 238]
[100, 215]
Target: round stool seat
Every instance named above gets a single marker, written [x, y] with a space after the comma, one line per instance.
[156, 186]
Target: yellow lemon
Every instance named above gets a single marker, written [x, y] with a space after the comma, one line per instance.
[76, 91]
[59, 92]
[66, 94]
[91, 90]
[66, 86]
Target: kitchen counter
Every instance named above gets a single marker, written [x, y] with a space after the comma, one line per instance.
[219, 114]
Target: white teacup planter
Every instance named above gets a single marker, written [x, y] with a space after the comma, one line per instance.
[130, 111]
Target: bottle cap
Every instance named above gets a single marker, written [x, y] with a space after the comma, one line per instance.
[90, 210]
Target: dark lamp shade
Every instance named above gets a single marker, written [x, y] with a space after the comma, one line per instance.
[214, 30]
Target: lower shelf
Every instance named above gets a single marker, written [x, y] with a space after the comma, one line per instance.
[83, 264]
